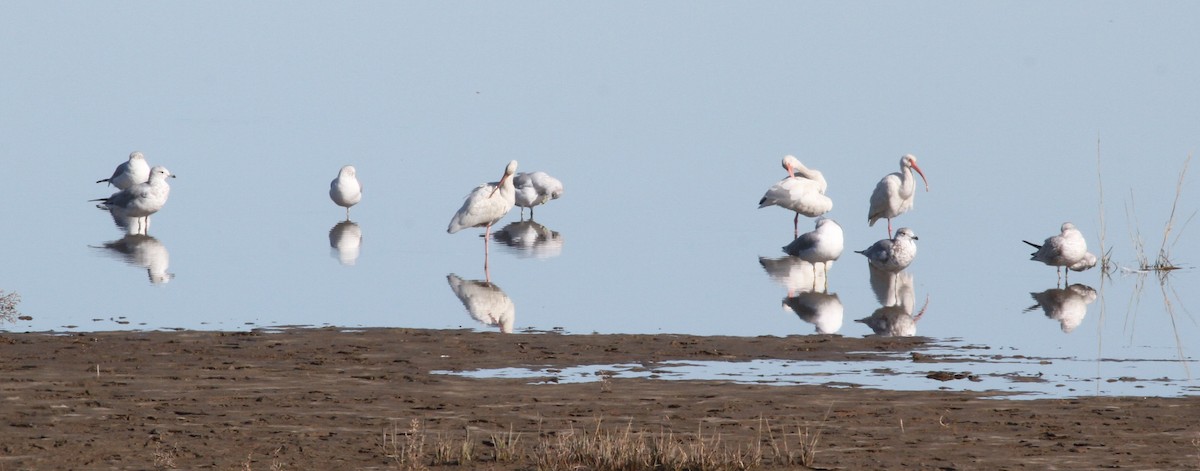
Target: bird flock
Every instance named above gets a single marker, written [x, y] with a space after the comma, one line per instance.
[143, 191]
[802, 191]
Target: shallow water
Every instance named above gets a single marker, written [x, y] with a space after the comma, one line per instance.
[665, 135]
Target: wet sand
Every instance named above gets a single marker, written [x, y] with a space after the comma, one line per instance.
[330, 399]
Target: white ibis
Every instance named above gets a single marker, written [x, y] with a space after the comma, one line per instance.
[534, 189]
[894, 194]
[140, 200]
[345, 190]
[485, 205]
[1067, 249]
[129, 173]
[802, 191]
[895, 254]
[823, 245]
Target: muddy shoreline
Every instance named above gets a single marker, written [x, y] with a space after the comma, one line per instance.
[330, 398]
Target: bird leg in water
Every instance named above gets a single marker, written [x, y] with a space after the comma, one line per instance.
[796, 226]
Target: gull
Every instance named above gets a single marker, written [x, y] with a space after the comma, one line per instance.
[802, 191]
[894, 193]
[130, 172]
[141, 200]
[1067, 249]
[822, 245]
[895, 254]
[535, 188]
[345, 190]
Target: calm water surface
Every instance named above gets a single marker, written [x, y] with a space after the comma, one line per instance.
[665, 136]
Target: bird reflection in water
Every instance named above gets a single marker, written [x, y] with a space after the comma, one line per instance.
[142, 251]
[895, 316]
[129, 225]
[793, 273]
[485, 301]
[345, 240]
[1067, 305]
[821, 309]
[530, 239]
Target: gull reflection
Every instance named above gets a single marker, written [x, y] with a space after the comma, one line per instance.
[793, 273]
[825, 311]
[891, 321]
[485, 301]
[130, 225]
[895, 293]
[821, 309]
[345, 239]
[1067, 305]
[893, 289]
[530, 239]
[143, 251]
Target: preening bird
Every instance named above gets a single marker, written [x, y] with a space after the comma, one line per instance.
[1067, 249]
[802, 191]
[535, 188]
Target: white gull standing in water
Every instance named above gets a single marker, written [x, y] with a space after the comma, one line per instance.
[802, 191]
[1067, 249]
[895, 254]
[141, 200]
[535, 188]
[822, 245]
[894, 194]
[129, 173]
[345, 190]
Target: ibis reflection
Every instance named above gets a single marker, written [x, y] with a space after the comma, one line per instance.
[485, 301]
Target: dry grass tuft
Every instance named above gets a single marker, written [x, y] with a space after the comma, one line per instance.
[1163, 263]
[405, 448]
[603, 448]
[8, 306]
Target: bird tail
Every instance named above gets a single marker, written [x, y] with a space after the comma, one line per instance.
[1036, 246]
[102, 181]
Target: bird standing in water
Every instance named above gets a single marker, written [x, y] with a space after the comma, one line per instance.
[345, 190]
[894, 194]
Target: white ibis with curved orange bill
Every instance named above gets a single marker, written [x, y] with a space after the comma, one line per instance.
[894, 193]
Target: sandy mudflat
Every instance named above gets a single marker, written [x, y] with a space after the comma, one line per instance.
[327, 399]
